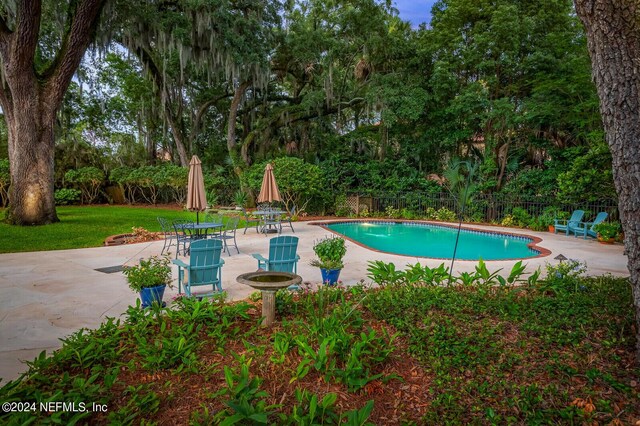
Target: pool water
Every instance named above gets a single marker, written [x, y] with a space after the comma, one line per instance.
[436, 241]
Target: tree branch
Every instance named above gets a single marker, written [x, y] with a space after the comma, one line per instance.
[76, 41]
[25, 37]
[203, 109]
[233, 113]
[277, 120]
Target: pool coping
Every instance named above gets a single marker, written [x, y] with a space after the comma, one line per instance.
[533, 245]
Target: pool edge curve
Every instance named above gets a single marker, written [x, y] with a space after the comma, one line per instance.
[533, 245]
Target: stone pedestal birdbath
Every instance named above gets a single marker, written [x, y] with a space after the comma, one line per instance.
[268, 283]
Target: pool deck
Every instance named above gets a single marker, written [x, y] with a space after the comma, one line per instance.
[46, 296]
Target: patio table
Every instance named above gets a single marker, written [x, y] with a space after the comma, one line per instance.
[197, 228]
[268, 220]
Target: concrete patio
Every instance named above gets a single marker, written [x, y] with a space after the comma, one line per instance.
[46, 296]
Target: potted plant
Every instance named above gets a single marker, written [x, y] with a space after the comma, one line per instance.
[547, 218]
[150, 278]
[330, 252]
[240, 199]
[607, 231]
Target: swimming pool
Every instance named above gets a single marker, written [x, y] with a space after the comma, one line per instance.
[436, 241]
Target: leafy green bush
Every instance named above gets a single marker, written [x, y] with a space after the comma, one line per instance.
[392, 212]
[298, 181]
[120, 176]
[445, 215]
[564, 277]
[66, 196]
[172, 178]
[346, 172]
[546, 219]
[220, 185]
[589, 178]
[508, 221]
[521, 217]
[88, 180]
[145, 180]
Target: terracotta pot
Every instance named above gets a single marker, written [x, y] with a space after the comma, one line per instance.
[606, 241]
[552, 228]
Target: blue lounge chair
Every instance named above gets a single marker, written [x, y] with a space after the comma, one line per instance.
[204, 268]
[563, 225]
[282, 255]
[586, 228]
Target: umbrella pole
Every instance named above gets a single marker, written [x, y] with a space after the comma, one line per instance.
[197, 217]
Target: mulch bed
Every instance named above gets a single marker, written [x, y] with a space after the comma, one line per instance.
[404, 398]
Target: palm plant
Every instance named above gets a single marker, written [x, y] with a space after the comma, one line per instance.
[459, 176]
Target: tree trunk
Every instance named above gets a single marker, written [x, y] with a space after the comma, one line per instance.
[30, 100]
[31, 155]
[232, 145]
[613, 39]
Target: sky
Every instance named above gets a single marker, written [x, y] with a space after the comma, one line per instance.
[415, 11]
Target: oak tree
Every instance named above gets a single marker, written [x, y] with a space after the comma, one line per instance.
[613, 39]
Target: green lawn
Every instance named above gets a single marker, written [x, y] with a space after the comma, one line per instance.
[83, 227]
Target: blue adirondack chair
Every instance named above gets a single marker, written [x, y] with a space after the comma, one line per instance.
[586, 228]
[282, 255]
[563, 225]
[204, 268]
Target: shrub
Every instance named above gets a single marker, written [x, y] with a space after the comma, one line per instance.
[508, 221]
[392, 212]
[445, 215]
[521, 217]
[65, 196]
[564, 277]
[121, 176]
[88, 180]
[430, 213]
[546, 219]
[174, 179]
[144, 178]
[590, 177]
[298, 181]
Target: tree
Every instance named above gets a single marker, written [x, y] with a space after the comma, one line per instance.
[613, 40]
[31, 93]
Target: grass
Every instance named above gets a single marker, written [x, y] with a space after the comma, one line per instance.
[81, 227]
[547, 352]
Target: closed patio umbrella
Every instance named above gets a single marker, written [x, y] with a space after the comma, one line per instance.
[196, 197]
[269, 189]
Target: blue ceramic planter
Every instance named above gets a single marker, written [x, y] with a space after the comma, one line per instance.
[149, 295]
[330, 276]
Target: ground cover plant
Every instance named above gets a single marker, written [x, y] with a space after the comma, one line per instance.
[514, 349]
[81, 227]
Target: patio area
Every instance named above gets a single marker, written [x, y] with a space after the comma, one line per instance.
[48, 295]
